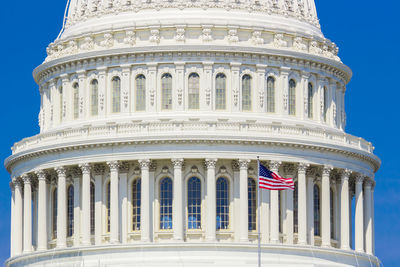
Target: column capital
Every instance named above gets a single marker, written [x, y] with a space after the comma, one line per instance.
[333, 182]
[274, 165]
[244, 164]
[17, 183]
[360, 179]
[178, 163]
[85, 168]
[61, 171]
[302, 167]
[368, 183]
[113, 165]
[345, 174]
[326, 170]
[211, 163]
[145, 163]
[41, 174]
[26, 178]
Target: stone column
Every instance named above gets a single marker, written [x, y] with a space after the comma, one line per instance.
[289, 217]
[114, 205]
[27, 213]
[179, 93]
[282, 93]
[244, 201]
[178, 200]
[102, 91]
[373, 217]
[310, 205]
[61, 208]
[12, 226]
[211, 200]
[359, 216]
[76, 179]
[85, 204]
[265, 216]
[98, 198]
[302, 203]
[206, 94]
[151, 94]
[125, 86]
[274, 166]
[123, 191]
[326, 207]
[82, 92]
[260, 105]
[145, 200]
[235, 85]
[344, 211]
[18, 227]
[368, 217]
[42, 211]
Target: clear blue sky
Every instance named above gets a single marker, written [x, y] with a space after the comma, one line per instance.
[367, 33]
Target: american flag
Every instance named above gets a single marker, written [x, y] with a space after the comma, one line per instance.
[273, 181]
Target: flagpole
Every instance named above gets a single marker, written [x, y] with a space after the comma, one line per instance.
[259, 211]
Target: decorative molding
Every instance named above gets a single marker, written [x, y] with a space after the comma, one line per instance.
[113, 165]
[211, 163]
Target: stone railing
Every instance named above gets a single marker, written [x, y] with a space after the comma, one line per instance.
[141, 131]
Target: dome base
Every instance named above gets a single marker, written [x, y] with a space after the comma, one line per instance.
[194, 255]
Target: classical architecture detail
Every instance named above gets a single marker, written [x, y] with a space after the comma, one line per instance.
[153, 115]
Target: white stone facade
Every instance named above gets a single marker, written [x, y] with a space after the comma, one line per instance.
[152, 117]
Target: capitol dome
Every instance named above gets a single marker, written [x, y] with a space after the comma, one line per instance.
[153, 115]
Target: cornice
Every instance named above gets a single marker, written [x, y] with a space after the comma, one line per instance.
[191, 54]
[237, 140]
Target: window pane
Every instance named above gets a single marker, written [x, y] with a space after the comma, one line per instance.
[166, 204]
[246, 92]
[270, 94]
[61, 103]
[92, 210]
[292, 97]
[194, 203]
[94, 96]
[317, 214]
[76, 100]
[116, 87]
[194, 91]
[108, 201]
[54, 222]
[310, 101]
[325, 103]
[140, 93]
[70, 211]
[166, 91]
[136, 204]
[220, 92]
[222, 204]
[252, 205]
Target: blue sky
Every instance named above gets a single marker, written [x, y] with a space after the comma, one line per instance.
[367, 33]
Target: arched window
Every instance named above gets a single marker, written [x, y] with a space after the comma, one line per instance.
[136, 204]
[166, 204]
[194, 91]
[166, 91]
[220, 91]
[295, 209]
[194, 203]
[325, 92]
[60, 91]
[94, 97]
[140, 93]
[116, 94]
[292, 97]
[271, 94]
[332, 210]
[310, 101]
[92, 210]
[317, 213]
[222, 204]
[54, 211]
[108, 206]
[252, 205]
[246, 92]
[76, 100]
[70, 211]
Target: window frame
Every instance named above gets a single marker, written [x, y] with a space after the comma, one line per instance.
[223, 95]
[140, 93]
[167, 92]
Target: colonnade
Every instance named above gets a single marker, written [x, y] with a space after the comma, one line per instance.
[31, 205]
